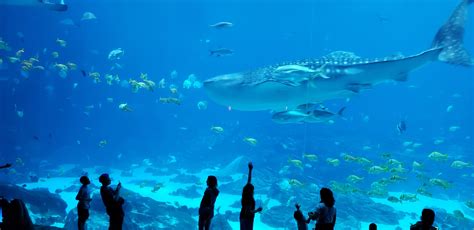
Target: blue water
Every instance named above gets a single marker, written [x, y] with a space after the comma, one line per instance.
[161, 36]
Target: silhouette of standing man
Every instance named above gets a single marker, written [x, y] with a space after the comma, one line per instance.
[112, 201]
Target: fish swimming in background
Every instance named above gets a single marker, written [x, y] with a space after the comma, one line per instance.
[222, 25]
[306, 114]
[401, 127]
[221, 52]
[116, 54]
[50, 5]
[339, 74]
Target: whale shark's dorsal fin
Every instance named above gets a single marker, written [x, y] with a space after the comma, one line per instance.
[451, 35]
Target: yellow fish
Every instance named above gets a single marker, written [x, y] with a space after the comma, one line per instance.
[296, 163]
[441, 183]
[102, 143]
[349, 158]
[4, 45]
[295, 183]
[460, 165]
[354, 178]
[377, 169]
[363, 160]
[60, 67]
[394, 162]
[169, 100]
[408, 197]
[20, 52]
[71, 66]
[217, 129]
[437, 156]
[417, 165]
[310, 157]
[333, 161]
[13, 59]
[61, 42]
[251, 141]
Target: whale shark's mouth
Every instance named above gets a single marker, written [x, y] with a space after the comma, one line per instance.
[226, 80]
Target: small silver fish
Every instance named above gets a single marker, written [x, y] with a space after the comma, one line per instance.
[221, 25]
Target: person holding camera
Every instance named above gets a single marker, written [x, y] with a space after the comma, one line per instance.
[112, 201]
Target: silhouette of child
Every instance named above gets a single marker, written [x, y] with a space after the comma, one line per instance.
[301, 221]
[206, 209]
[84, 198]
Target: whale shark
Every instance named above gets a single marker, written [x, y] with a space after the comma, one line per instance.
[339, 74]
[47, 4]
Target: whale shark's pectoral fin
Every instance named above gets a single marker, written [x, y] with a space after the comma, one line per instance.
[321, 72]
[402, 77]
[357, 87]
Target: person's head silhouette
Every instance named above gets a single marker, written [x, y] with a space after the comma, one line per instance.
[372, 226]
[212, 181]
[327, 197]
[85, 180]
[427, 217]
[104, 179]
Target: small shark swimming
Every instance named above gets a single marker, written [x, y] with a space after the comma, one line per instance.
[308, 113]
[339, 74]
[50, 5]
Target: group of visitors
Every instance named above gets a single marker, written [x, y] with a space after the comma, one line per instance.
[15, 215]
[111, 198]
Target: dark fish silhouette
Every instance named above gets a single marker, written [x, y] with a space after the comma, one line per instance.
[401, 127]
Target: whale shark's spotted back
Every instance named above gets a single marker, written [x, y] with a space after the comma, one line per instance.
[339, 74]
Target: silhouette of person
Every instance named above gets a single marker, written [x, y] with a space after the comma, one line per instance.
[247, 213]
[372, 226]
[427, 220]
[84, 198]
[7, 165]
[325, 213]
[206, 209]
[301, 221]
[112, 201]
[15, 215]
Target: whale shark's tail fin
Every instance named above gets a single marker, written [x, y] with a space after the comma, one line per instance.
[451, 35]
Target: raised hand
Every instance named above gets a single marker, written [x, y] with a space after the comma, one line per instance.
[297, 206]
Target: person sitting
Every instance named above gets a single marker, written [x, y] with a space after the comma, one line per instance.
[112, 201]
[325, 213]
[206, 209]
[426, 222]
[15, 215]
[301, 221]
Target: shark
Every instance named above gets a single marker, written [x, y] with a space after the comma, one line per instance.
[339, 74]
[50, 5]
